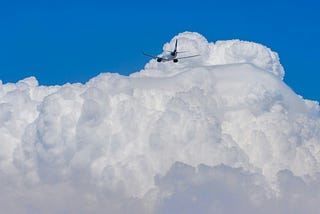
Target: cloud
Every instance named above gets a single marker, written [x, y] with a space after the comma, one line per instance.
[217, 133]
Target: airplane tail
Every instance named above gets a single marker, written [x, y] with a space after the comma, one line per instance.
[175, 46]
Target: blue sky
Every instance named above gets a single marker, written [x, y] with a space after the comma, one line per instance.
[72, 41]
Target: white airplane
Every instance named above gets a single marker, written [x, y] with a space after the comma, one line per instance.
[171, 56]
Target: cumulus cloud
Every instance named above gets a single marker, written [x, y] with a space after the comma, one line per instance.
[219, 133]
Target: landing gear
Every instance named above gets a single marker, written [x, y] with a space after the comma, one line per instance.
[175, 60]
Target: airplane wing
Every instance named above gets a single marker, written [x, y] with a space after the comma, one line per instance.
[149, 55]
[184, 57]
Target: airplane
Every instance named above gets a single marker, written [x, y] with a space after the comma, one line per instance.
[171, 56]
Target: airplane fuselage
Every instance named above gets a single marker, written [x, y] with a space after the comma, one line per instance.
[167, 57]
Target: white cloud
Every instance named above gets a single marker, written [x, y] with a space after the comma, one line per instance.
[218, 133]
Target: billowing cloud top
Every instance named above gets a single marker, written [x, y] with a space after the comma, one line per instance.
[187, 137]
